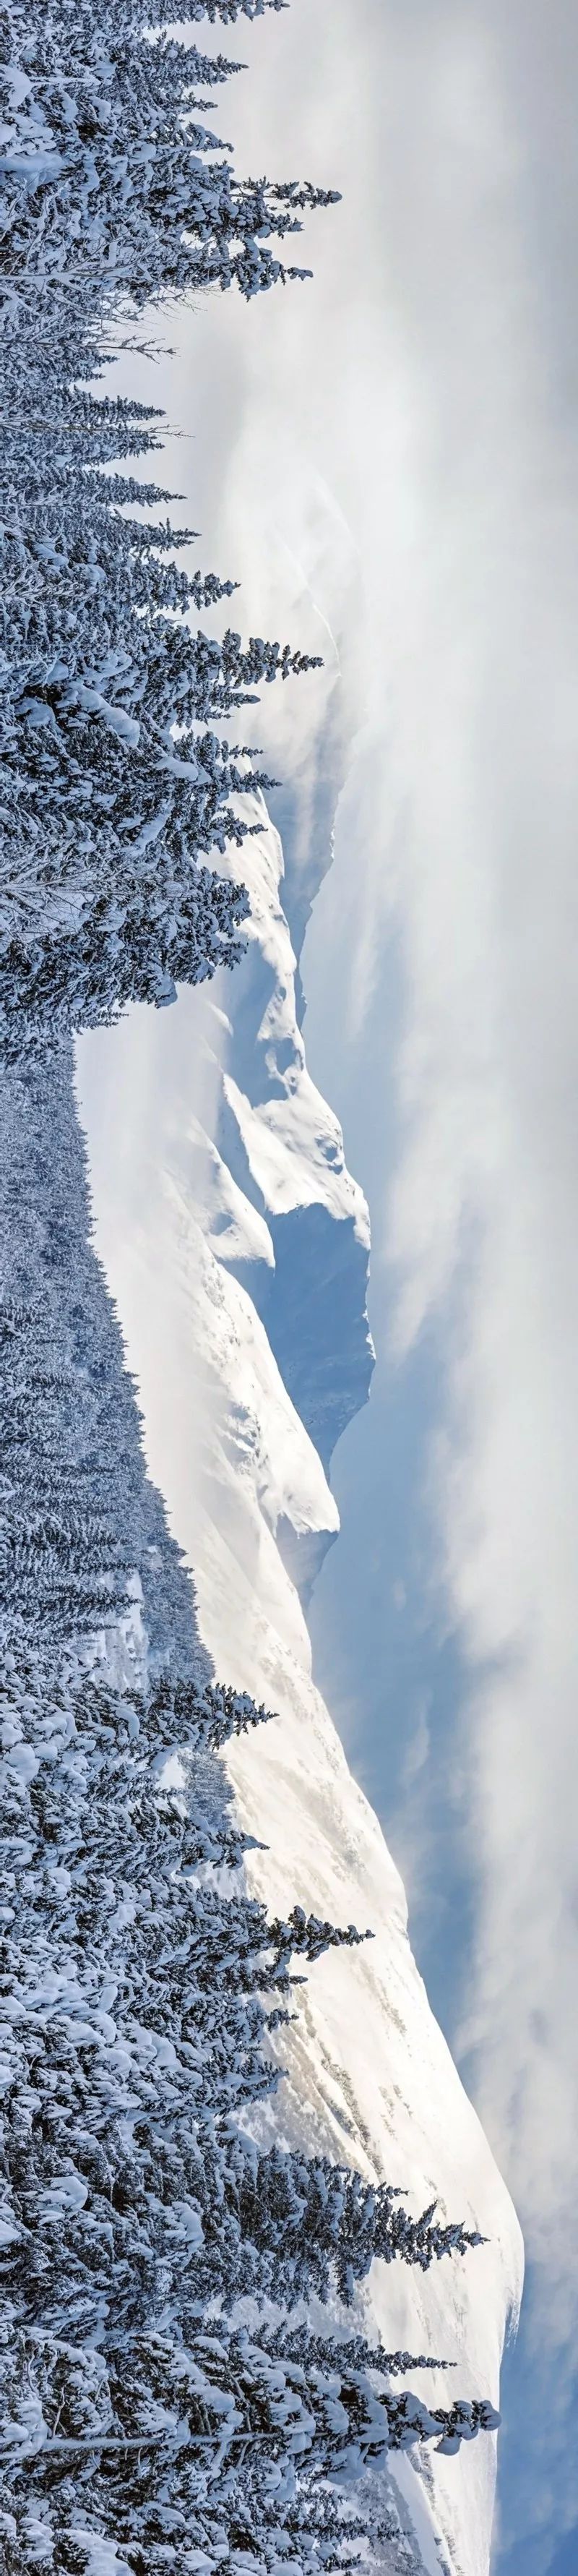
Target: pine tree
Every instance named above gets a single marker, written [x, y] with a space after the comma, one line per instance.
[105, 736]
[129, 2204]
[117, 790]
[106, 158]
[227, 2421]
[109, 901]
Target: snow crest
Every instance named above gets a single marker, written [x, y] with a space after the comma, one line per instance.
[237, 1245]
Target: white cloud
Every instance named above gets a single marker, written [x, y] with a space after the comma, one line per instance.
[418, 1745]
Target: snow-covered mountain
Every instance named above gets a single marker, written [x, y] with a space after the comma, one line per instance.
[236, 1244]
[283, 1146]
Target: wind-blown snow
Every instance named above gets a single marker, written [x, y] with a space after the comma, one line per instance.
[218, 1173]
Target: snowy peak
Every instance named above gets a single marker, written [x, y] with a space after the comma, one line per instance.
[233, 1227]
[284, 1148]
[270, 1478]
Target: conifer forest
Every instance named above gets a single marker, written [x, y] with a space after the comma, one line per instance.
[185, 2379]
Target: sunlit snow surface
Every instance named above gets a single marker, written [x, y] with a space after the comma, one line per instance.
[194, 1165]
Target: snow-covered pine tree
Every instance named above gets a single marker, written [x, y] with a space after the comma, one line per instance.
[116, 791]
[104, 170]
[296, 2225]
[106, 900]
[115, 788]
[144, 1996]
[232, 2425]
[63, 1369]
[62, 1566]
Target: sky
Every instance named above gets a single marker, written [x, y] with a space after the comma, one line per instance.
[388, 460]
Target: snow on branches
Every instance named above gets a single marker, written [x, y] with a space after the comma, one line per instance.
[119, 788]
[134, 2211]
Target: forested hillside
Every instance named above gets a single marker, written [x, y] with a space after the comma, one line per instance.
[170, 2400]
